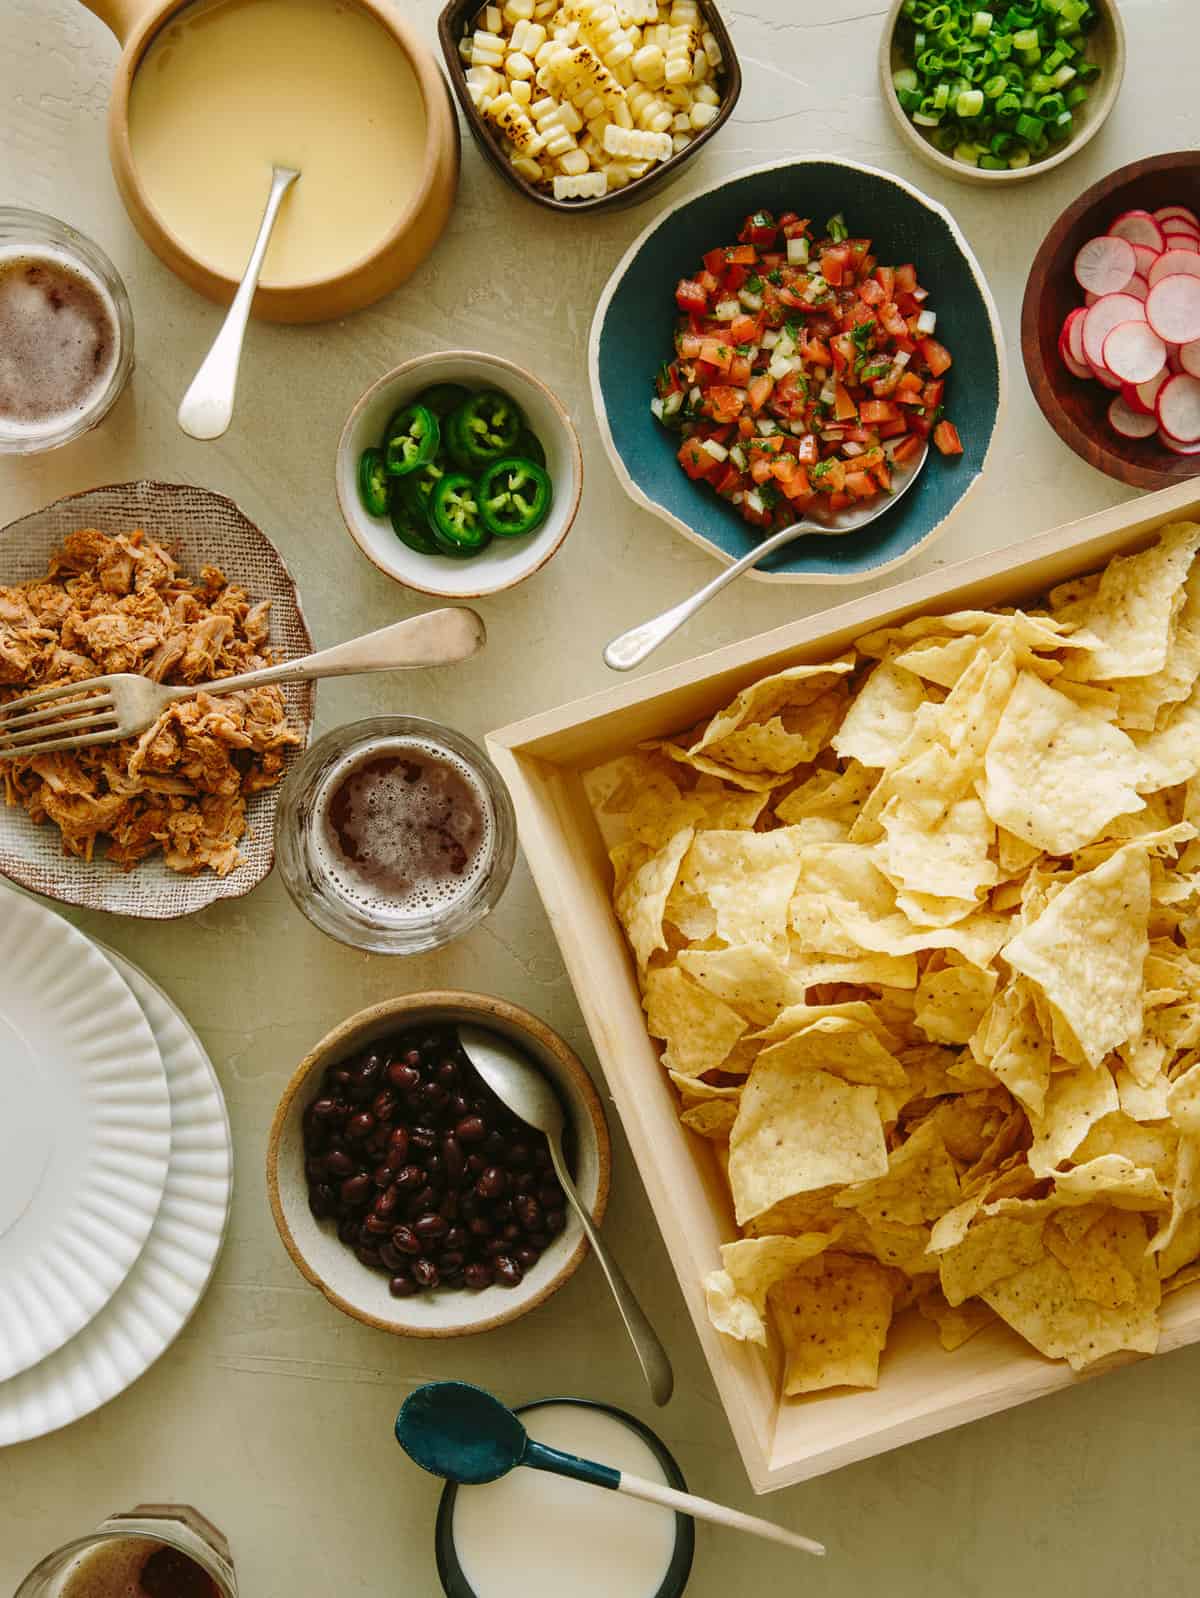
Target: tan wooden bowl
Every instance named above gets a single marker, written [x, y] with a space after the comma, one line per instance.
[1106, 47]
[329, 1265]
[416, 230]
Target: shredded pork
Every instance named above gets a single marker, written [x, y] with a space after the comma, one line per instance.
[113, 604]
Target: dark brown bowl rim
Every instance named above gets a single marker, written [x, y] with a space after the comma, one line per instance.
[455, 10]
[1092, 447]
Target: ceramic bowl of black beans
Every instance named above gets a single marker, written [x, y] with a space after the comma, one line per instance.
[405, 1190]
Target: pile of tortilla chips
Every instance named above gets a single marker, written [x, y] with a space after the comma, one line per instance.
[919, 930]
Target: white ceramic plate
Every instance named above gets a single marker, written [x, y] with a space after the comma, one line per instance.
[156, 1299]
[85, 1131]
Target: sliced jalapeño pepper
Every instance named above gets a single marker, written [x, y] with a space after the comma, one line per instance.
[414, 489]
[454, 517]
[412, 528]
[443, 398]
[412, 439]
[483, 429]
[514, 497]
[373, 487]
[529, 447]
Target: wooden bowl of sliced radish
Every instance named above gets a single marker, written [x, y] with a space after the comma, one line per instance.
[1110, 326]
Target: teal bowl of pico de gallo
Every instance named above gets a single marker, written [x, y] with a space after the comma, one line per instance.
[775, 347]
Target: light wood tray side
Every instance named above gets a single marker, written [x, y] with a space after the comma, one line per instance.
[922, 1389]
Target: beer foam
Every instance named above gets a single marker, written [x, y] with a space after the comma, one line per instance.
[390, 804]
[110, 1570]
[59, 341]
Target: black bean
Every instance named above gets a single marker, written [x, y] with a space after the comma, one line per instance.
[508, 1272]
[431, 1227]
[452, 1159]
[406, 1240]
[518, 1156]
[448, 1074]
[324, 1109]
[402, 1287]
[409, 1178]
[425, 1273]
[322, 1201]
[554, 1221]
[360, 1126]
[315, 1168]
[356, 1189]
[423, 1137]
[492, 1183]
[384, 1175]
[550, 1196]
[388, 1201]
[471, 1129]
[511, 1232]
[538, 1240]
[477, 1275]
[451, 1260]
[391, 1256]
[527, 1257]
[398, 1145]
[376, 1226]
[385, 1106]
[435, 1096]
[348, 1230]
[403, 1076]
[368, 1256]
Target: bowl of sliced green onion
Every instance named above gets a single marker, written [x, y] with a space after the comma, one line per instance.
[992, 92]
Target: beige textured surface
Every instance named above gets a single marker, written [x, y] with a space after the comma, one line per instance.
[273, 1413]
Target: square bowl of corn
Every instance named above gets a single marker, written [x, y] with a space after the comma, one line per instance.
[587, 103]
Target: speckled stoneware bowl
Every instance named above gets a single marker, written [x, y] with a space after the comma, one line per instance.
[330, 1265]
[634, 324]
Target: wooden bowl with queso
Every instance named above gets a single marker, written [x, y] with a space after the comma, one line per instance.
[210, 94]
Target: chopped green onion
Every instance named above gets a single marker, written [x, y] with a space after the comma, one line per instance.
[905, 80]
[969, 103]
[837, 229]
[1030, 127]
[981, 24]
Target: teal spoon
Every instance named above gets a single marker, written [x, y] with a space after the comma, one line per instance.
[463, 1434]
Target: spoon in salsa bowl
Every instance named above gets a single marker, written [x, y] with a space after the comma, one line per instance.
[634, 646]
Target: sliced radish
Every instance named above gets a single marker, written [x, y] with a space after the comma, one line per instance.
[1171, 261]
[1132, 398]
[1174, 444]
[1105, 315]
[1138, 287]
[1073, 327]
[1134, 352]
[1189, 358]
[1147, 393]
[1146, 258]
[1104, 265]
[1139, 227]
[1076, 366]
[1168, 213]
[1130, 423]
[1173, 308]
[1179, 408]
[1174, 360]
[1189, 243]
[1180, 226]
[1103, 375]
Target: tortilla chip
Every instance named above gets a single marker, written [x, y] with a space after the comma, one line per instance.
[642, 900]
[952, 1002]
[1136, 602]
[834, 1324]
[1085, 952]
[1115, 1180]
[1074, 1101]
[1042, 1303]
[995, 1247]
[1183, 1100]
[698, 1029]
[880, 716]
[1142, 698]
[748, 878]
[764, 699]
[798, 1131]
[782, 743]
[921, 1184]
[753, 782]
[936, 849]
[713, 1120]
[956, 1323]
[750, 978]
[736, 1295]
[1095, 1260]
[1055, 774]
[841, 1046]
[830, 795]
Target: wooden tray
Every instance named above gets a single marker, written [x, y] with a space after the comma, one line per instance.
[922, 1388]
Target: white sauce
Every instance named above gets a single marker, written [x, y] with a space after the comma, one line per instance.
[230, 88]
[533, 1535]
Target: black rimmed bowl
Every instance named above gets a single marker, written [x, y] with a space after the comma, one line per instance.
[634, 326]
[457, 21]
[450, 1571]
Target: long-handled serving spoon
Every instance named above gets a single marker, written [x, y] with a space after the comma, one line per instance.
[518, 1083]
[631, 648]
[206, 410]
[463, 1434]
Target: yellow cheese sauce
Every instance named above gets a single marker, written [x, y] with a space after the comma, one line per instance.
[229, 88]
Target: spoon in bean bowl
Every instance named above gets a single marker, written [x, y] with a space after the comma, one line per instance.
[519, 1085]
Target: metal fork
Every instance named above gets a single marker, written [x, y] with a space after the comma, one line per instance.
[122, 704]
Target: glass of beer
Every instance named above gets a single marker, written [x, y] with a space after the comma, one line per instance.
[395, 835]
[66, 333]
[153, 1551]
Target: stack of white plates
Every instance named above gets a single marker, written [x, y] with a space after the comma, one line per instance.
[115, 1171]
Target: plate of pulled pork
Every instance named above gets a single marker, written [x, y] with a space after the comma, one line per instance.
[176, 583]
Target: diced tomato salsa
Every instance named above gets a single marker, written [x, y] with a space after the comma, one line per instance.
[804, 371]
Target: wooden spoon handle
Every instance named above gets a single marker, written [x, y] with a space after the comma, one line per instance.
[719, 1514]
